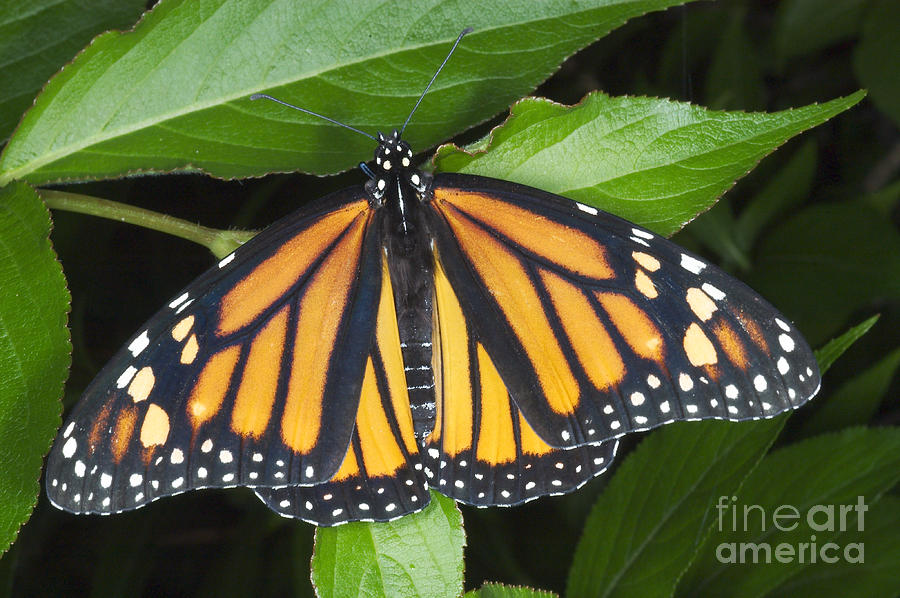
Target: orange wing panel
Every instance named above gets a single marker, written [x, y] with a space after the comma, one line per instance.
[556, 242]
[452, 370]
[269, 281]
[259, 382]
[321, 312]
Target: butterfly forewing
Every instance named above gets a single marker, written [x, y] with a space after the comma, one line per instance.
[381, 476]
[598, 327]
[249, 377]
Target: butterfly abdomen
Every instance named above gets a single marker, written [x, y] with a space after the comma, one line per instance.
[411, 266]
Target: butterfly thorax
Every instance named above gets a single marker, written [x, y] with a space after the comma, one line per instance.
[396, 189]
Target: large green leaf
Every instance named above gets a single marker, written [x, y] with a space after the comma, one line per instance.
[817, 474]
[833, 349]
[174, 93]
[732, 237]
[655, 162]
[845, 255]
[877, 59]
[804, 26]
[34, 351]
[857, 400]
[496, 590]
[654, 514]
[876, 576]
[419, 555]
[38, 37]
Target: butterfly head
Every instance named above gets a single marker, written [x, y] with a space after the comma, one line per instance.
[393, 162]
[393, 154]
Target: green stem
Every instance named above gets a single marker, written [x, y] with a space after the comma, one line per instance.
[219, 242]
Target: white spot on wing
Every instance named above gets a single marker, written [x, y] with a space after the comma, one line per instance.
[69, 448]
[786, 342]
[641, 233]
[712, 291]
[226, 260]
[783, 366]
[126, 377]
[691, 264]
[183, 306]
[181, 299]
[139, 344]
[590, 210]
[759, 383]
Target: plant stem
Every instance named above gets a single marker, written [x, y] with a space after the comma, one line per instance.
[219, 242]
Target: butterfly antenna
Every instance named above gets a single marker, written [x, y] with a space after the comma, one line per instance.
[258, 96]
[438, 72]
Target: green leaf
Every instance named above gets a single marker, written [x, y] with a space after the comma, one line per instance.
[653, 515]
[885, 200]
[496, 590]
[733, 238]
[38, 37]
[805, 26]
[857, 400]
[817, 474]
[827, 355]
[655, 162]
[417, 555]
[877, 576]
[734, 79]
[844, 255]
[788, 188]
[717, 230]
[173, 95]
[34, 351]
[877, 58]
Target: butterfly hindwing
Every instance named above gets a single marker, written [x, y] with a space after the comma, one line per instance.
[482, 450]
[249, 377]
[598, 327]
[381, 475]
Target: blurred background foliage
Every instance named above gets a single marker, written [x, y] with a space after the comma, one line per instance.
[813, 228]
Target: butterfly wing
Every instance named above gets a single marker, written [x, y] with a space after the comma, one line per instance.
[482, 451]
[250, 377]
[599, 327]
[381, 475]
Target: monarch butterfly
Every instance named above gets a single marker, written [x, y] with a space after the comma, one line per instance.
[482, 338]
